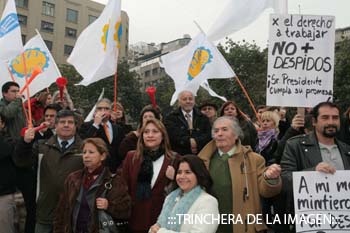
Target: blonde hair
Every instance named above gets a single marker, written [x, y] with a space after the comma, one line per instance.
[269, 115]
[98, 143]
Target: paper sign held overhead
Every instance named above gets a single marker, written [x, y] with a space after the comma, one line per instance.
[300, 60]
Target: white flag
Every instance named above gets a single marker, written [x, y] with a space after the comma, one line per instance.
[236, 15]
[193, 64]
[95, 54]
[90, 116]
[36, 55]
[10, 33]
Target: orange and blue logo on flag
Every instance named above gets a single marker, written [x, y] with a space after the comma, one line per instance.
[34, 57]
[201, 57]
[117, 35]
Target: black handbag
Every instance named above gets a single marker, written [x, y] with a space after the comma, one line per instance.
[106, 222]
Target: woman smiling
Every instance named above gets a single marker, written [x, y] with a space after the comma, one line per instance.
[191, 198]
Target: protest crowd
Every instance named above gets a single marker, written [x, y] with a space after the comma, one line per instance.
[199, 168]
[171, 165]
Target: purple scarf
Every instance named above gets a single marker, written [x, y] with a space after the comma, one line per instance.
[265, 136]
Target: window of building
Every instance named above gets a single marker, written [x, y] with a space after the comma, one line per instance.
[48, 9]
[46, 26]
[147, 73]
[22, 3]
[48, 44]
[22, 19]
[71, 32]
[92, 18]
[67, 49]
[155, 71]
[72, 16]
[24, 39]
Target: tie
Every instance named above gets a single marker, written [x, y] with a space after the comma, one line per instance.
[189, 121]
[225, 156]
[105, 127]
[64, 145]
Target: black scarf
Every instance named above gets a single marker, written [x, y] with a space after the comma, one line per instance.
[144, 178]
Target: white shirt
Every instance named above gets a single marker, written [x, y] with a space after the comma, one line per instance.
[157, 165]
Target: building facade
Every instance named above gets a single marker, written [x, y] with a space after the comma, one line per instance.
[60, 22]
[341, 34]
[144, 59]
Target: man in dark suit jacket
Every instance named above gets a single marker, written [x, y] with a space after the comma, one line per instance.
[101, 127]
[189, 130]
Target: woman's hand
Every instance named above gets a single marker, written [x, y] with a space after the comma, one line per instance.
[155, 228]
[101, 203]
[170, 172]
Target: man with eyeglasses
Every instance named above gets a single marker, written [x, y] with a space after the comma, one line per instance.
[54, 159]
[102, 127]
[11, 109]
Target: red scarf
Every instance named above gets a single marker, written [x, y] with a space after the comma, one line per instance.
[89, 178]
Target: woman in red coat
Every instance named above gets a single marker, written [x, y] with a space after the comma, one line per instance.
[145, 173]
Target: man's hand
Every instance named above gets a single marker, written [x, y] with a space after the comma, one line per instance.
[298, 122]
[46, 124]
[325, 167]
[99, 116]
[29, 135]
[272, 172]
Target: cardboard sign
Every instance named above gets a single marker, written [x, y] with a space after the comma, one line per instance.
[300, 60]
[323, 201]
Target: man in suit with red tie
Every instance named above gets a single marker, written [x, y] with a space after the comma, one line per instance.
[102, 127]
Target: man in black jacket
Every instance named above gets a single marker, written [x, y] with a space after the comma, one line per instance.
[317, 151]
[189, 130]
[102, 127]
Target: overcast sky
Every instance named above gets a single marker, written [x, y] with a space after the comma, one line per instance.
[165, 20]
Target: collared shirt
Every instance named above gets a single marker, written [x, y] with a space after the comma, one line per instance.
[230, 152]
[109, 126]
[70, 141]
[190, 113]
[331, 154]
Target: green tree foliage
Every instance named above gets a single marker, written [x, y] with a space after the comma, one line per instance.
[342, 74]
[250, 65]
[128, 90]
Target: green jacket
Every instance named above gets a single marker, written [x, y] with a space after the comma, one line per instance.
[13, 112]
[53, 168]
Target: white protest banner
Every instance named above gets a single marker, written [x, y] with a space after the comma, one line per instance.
[322, 202]
[300, 60]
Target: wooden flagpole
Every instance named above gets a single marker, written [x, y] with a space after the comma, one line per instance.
[249, 100]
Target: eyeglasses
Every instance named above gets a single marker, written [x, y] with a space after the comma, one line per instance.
[103, 108]
[207, 108]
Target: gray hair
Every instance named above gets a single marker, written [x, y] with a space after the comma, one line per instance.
[104, 100]
[236, 129]
[182, 92]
